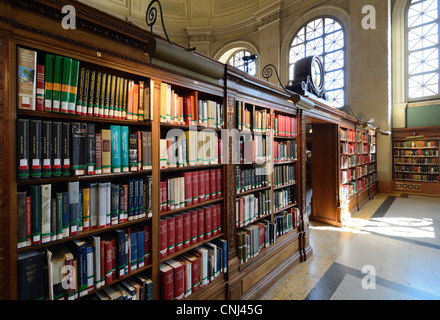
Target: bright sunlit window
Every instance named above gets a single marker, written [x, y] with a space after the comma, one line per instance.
[423, 49]
[236, 60]
[323, 37]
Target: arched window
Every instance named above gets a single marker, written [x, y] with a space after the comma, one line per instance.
[323, 37]
[236, 60]
[422, 23]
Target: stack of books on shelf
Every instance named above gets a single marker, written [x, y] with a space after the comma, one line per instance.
[187, 110]
[283, 175]
[51, 149]
[250, 179]
[54, 83]
[80, 266]
[181, 230]
[185, 274]
[46, 213]
[254, 238]
[285, 126]
[284, 197]
[189, 149]
[190, 188]
[284, 151]
[251, 207]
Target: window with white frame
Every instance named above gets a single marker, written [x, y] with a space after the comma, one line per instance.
[423, 24]
[323, 37]
[236, 60]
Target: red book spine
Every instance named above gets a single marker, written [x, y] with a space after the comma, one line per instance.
[195, 189]
[186, 229]
[179, 232]
[163, 238]
[167, 283]
[200, 224]
[188, 109]
[171, 234]
[182, 114]
[201, 175]
[214, 212]
[194, 227]
[208, 222]
[207, 188]
[28, 220]
[188, 188]
[179, 281]
[219, 183]
[108, 262]
[114, 252]
[40, 87]
[212, 184]
[147, 244]
[219, 218]
[241, 212]
[295, 131]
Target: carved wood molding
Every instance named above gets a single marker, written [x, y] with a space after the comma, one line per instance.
[231, 178]
[3, 233]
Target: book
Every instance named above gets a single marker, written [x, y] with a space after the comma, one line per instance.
[35, 148]
[74, 207]
[79, 148]
[125, 149]
[73, 90]
[21, 219]
[48, 82]
[40, 87]
[57, 83]
[46, 209]
[46, 154]
[115, 135]
[57, 154]
[91, 149]
[79, 251]
[167, 281]
[23, 156]
[27, 78]
[65, 84]
[133, 151]
[30, 274]
[66, 134]
[106, 157]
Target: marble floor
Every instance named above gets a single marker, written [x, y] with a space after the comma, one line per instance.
[390, 250]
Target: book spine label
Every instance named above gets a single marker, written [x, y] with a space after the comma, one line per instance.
[23, 149]
[35, 148]
[47, 145]
[98, 153]
[66, 148]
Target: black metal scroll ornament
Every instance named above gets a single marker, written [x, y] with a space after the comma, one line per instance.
[268, 72]
[151, 17]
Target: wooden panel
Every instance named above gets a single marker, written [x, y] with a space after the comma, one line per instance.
[3, 185]
[325, 173]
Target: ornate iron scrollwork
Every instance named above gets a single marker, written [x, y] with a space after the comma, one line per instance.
[151, 17]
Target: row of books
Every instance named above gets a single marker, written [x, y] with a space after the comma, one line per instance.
[191, 148]
[79, 266]
[362, 171]
[252, 178]
[138, 287]
[416, 177]
[363, 148]
[254, 238]
[362, 136]
[244, 117]
[416, 144]
[416, 153]
[363, 159]
[251, 207]
[184, 275]
[46, 214]
[417, 169]
[190, 188]
[372, 177]
[347, 176]
[284, 151]
[252, 149]
[285, 126]
[347, 135]
[284, 197]
[181, 230]
[372, 167]
[348, 161]
[54, 83]
[348, 148]
[283, 175]
[418, 161]
[348, 190]
[48, 149]
[188, 110]
[362, 183]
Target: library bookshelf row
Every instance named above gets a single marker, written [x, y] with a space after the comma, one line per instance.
[358, 155]
[124, 179]
[416, 165]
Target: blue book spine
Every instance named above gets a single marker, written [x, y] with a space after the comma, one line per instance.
[223, 245]
[116, 148]
[133, 251]
[130, 199]
[125, 149]
[141, 248]
[114, 213]
[136, 199]
[73, 188]
[80, 253]
[141, 210]
[120, 253]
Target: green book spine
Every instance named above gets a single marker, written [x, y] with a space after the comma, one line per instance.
[124, 149]
[116, 148]
[117, 112]
[48, 83]
[73, 86]
[103, 95]
[36, 214]
[108, 97]
[65, 84]
[96, 110]
[112, 100]
[57, 75]
[86, 92]
[91, 103]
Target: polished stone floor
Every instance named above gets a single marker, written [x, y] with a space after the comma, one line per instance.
[390, 250]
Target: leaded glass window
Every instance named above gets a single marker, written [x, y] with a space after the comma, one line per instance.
[323, 37]
[423, 49]
[236, 60]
